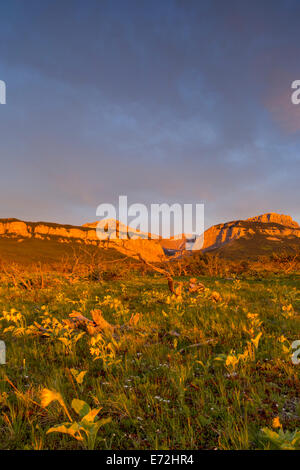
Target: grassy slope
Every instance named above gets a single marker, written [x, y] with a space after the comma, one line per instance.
[51, 251]
[31, 250]
[257, 245]
[157, 397]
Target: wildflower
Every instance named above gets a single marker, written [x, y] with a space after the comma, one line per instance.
[215, 296]
[231, 360]
[282, 339]
[276, 422]
[288, 311]
[255, 341]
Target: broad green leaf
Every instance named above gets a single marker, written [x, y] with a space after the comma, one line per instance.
[47, 396]
[90, 417]
[98, 424]
[79, 376]
[67, 428]
[81, 407]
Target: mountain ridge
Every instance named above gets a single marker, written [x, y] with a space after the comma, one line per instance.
[273, 217]
[269, 229]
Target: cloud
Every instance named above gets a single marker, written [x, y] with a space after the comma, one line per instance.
[162, 101]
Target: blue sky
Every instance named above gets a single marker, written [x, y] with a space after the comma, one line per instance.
[163, 101]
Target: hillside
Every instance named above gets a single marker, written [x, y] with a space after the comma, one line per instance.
[252, 237]
[49, 242]
[44, 241]
[256, 236]
[31, 251]
[114, 228]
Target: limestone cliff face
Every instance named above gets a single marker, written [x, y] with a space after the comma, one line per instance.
[13, 228]
[281, 219]
[272, 226]
[18, 228]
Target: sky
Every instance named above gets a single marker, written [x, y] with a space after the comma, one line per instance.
[163, 101]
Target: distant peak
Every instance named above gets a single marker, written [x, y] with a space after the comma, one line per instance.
[115, 225]
[109, 222]
[281, 219]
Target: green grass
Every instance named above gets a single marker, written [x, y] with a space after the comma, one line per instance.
[258, 245]
[30, 251]
[158, 392]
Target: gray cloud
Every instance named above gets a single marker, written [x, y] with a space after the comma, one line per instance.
[162, 101]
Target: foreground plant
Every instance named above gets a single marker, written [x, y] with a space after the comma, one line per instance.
[84, 430]
[282, 440]
[161, 397]
[233, 359]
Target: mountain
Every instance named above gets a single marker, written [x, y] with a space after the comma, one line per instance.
[14, 232]
[280, 219]
[255, 236]
[248, 238]
[116, 229]
[252, 237]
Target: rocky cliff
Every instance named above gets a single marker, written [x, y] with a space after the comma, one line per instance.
[280, 219]
[259, 234]
[13, 228]
[268, 227]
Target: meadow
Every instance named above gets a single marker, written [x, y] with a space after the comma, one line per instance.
[206, 367]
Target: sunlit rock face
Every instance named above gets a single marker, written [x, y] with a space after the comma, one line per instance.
[116, 229]
[151, 250]
[269, 225]
[15, 227]
[281, 219]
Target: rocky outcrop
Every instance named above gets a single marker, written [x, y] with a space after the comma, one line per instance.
[117, 229]
[272, 227]
[18, 228]
[217, 235]
[151, 250]
[15, 228]
[271, 217]
[268, 225]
